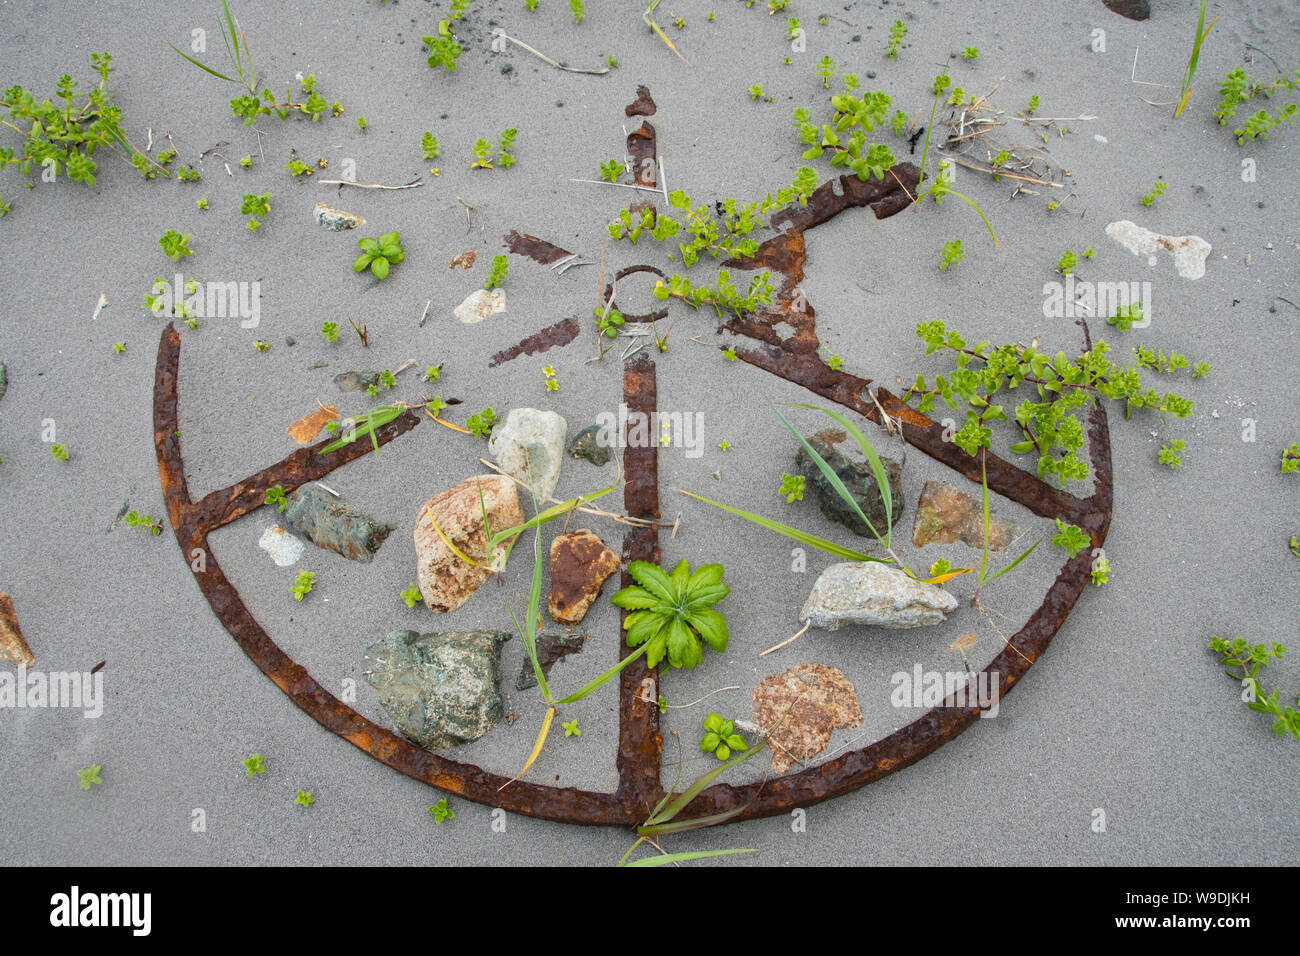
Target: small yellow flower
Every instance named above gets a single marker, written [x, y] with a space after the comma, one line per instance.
[434, 170]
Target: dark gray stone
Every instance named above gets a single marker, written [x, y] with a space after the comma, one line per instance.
[1133, 9]
[589, 444]
[440, 690]
[858, 479]
[331, 524]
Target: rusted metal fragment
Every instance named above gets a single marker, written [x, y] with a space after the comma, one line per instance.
[550, 649]
[640, 745]
[305, 429]
[539, 250]
[580, 563]
[610, 290]
[641, 147]
[553, 336]
[192, 523]
[13, 646]
[643, 105]
[800, 708]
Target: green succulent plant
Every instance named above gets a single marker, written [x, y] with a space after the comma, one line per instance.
[671, 611]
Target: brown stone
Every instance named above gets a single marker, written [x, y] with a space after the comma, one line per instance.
[580, 563]
[800, 708]
[305, 429]
[464, 260]
[13, 646]
[946, 514]
[445, 580]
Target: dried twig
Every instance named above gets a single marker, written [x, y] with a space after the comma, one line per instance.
[538, 53]
[347, 182]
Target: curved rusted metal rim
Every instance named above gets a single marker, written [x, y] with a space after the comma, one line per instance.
[640, 743]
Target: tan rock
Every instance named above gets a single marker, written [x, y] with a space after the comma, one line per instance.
[801, 707]
[305, 429]
[13, 646]
[946, 514]
[580, 564]
[445, 580]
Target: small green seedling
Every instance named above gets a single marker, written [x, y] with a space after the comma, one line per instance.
[792, 486]
[119, 348]
[433, 372]
[60, 452]
[1156, 190]
[1070, 537]
[254, 765]
[952, 254]
[90, 776]
[720, 738]
[481, 423]
[361, 123]
[497, 274]
[1126, 315]
[834, 363]
[429, 147]
[1032, 107]
[825, 70]
[896, 34]
[275, 496]
[970, 53]
[576, 8]
[412, 596]
[202, 204]
[304, 799]
[1291, 460]
[729, 353]
[1065, 265]
[256, 206]
[443, 49]
[175, 244]
[571, 728]
[441, 811]
[329, 331]
[302, 585]
[1100, 570]
[1169, 453]
[379, 255]
[151, 526]
[610, 171]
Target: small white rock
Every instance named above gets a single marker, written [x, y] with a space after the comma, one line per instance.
[479, 304]
[529, 446]
[283, 547]
[871, 593]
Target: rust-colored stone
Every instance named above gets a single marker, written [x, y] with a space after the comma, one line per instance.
[946, 514]
[580, 563]
[305, 429]
[464, 260]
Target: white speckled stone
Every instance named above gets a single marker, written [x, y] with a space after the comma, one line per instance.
[874, 594]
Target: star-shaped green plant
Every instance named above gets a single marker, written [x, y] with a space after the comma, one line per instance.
[571, 728]
[254, 765]
[304, 799]
[671, 612]
[90, 776]
[441, 811]
[720, 738]
[379, 255]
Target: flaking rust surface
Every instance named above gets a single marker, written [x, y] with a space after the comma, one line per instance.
[800, 708]
[553, 336]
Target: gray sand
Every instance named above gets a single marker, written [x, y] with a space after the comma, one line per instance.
[1126, 713]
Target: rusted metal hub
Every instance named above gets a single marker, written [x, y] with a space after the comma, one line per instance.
[794, 358]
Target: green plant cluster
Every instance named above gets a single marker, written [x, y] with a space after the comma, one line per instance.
[1050, 426]
[1237, 88]
[671, 612]
[1249, 660]
[855, 116]
[379, 255]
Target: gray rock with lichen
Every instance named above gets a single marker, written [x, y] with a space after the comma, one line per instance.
[440, 690]
[590, 444]
[858, 478]
[872, 593]
[331, 524]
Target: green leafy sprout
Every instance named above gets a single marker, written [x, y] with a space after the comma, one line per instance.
[60, 452]
[1169, 453]
[497, 273]
[896, 34]
[329, 331]
[1156, 190]
[792, 486]
[441, 811]
[275, 496]
[90, 776]
[952, 254]
[254, 765]
[481, 423]
[150, 525]
[412, 596]
[720, 738]
[302, 585]
[1249, 660]
[256, 206]
[304, 799]
[1291, 459]
[443, 49]
[670, 613]
[429, 147]
[175, 244]
[379, 255]
[571, 728]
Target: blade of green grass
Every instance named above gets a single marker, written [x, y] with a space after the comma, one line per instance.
[699, 823]
[834, 479]
[795, 534]
[992, 578]
[667, 858]
[696, 788]
[605, 677]
[877, 466]
[202, 66]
